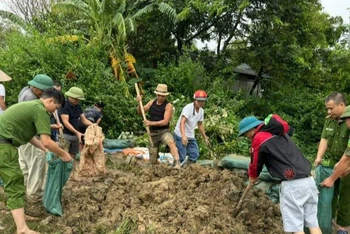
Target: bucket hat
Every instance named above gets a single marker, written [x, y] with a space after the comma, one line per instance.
[248, 123]
[346, 113]
[4, 77]
[75, 92]
[41, 82]
[162, 89]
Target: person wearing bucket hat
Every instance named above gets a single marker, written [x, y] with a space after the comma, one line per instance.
[333, 144]
[32, 159]
[19, 124]
[36, 87]
[272, 146]
[70, 114]
[192, 116]
[161, 112]
[3, 78]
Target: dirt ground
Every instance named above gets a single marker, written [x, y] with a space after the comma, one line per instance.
[136, 198]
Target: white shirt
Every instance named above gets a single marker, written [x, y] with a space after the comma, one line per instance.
[3, 94]
[193, 117]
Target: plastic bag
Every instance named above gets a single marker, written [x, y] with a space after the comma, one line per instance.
[57, 175]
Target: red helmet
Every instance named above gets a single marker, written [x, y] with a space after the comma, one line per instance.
[200, 95]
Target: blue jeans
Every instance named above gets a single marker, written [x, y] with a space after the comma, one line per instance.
[191, 149]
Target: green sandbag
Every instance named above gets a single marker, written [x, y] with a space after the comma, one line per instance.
[241, 162]
[325, 196]
[118, 143]
[57, 175]
[271, 189]
[235, 161]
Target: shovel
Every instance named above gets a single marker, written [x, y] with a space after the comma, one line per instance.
[61, 140]
[238, 207]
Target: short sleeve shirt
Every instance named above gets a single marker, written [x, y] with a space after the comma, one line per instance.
[337, 134]
[192, 117]
[26, 94]
[73, 113]
[22, 121]
[92, 114]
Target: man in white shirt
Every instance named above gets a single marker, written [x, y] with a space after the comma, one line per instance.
[3, 78]
[192, 115]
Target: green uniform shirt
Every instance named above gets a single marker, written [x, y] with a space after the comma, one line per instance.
[22, 121]
[337, 134]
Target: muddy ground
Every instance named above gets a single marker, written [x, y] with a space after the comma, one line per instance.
[135, 198]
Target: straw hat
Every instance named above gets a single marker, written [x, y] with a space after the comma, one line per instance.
[4, 77]
[162, 89]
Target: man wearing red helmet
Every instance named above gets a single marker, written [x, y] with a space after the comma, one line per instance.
[192, 116]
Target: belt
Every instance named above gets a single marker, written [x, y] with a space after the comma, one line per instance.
[5, 141]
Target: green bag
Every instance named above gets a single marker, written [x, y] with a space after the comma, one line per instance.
[242, 162]
[325, 196]
[57, 175]
[118, 143]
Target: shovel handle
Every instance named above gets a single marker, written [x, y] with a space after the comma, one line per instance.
[55, 114]
[238, 207]
[143, 115]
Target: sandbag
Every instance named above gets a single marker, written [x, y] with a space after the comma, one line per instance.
[57, 175]
[241, 162]
[325, 196]
[271, 189]
[92, 158]
[118, 143]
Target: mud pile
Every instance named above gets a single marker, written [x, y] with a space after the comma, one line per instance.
[133, 198]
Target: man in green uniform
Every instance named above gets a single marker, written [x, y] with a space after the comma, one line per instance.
[334, 140]
[19, 125]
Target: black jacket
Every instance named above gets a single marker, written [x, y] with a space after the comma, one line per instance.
[272, 146]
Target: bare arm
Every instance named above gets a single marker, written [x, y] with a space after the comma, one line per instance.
[98, 121]
[321, 151]
[341, 170]
[202, 132]
[34, 141]
[66, 124]
[53, 147]
[201, 129]
[146, 107]
[85, 121]
[2, 103]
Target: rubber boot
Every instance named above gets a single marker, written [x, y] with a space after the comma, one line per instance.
[153, 155]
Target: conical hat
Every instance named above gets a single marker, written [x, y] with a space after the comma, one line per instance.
[4, 77]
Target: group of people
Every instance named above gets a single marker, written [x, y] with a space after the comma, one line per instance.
[22, 165]
[272, 146]
[183, 142]
[27, 133]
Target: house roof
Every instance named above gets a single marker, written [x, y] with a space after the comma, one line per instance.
[244, 68]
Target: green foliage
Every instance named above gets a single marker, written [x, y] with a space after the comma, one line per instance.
[26, 56]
